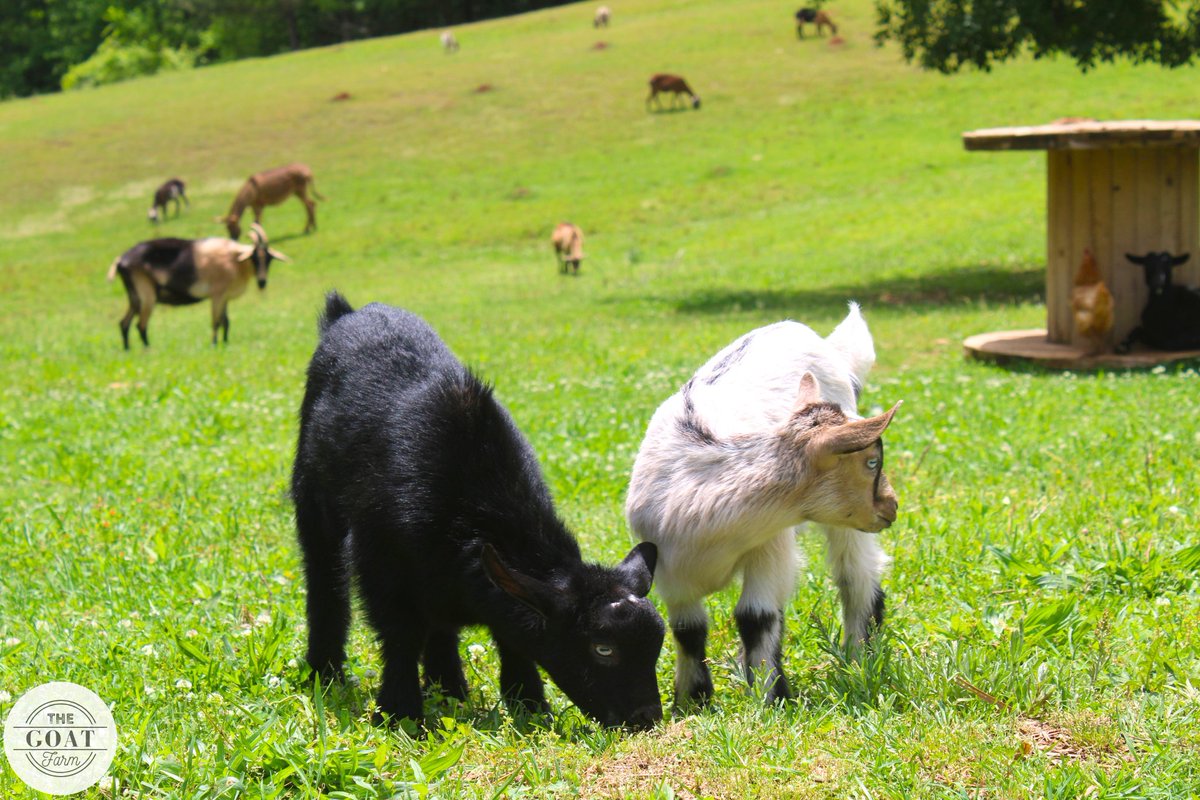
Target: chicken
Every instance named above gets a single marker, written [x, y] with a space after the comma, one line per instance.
[1091, 304]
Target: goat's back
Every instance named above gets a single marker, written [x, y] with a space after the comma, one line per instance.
[405, 440]
[751, 385]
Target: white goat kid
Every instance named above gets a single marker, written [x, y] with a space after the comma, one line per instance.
[763, 437]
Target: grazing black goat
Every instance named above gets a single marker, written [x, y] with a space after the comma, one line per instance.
[1171, 318]
[412, 477]
[171, 190]
[179, 272]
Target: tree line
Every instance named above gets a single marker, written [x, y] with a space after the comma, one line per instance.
[47, 45]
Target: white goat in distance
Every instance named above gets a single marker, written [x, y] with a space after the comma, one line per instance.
[763, 437]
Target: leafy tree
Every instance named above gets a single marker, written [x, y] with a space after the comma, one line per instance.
[947, 35]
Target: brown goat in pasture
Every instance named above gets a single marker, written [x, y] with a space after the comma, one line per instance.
[677, 86]
[180, 272]
[817, 17]
[568, 247]
[269, 188]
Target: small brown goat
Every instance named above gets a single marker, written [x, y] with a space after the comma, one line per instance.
[171, 190]
[568, 247]
[269, 188]
[817, 17]
[180, 272]
[677, 86]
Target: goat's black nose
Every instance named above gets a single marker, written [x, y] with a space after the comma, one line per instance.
[262, 284]
[646, 717]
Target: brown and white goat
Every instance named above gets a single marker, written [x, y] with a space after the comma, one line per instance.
[568, 246]
[171, 190]
[180, 272]
[270, 188]
[817, 17]
[603, 15]
[663, 83]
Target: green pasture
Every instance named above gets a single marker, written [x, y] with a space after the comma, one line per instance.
[1043, 636]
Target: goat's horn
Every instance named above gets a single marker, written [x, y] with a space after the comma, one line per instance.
[278, 256]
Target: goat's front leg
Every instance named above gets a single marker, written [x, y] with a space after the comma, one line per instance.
[856, 563]
[219, 318]
[520, 683]
[689, 625]
[768, 578]
[443, 665]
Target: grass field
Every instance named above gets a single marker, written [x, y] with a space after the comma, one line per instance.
[1044, 628]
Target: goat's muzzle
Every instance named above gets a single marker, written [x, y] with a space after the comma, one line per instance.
[262, 283]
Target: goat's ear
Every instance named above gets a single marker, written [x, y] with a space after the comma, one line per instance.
[1177, 260]
[852, 436]
[810, 391]
[278, 256]
[1139, 260]
[637, 570]
[531, 592]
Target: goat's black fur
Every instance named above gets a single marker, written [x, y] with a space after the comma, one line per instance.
[1171, 318]
[173, 189]
[407, 458]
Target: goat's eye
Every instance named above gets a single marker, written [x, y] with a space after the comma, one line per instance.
[603, 650]
[872, 463]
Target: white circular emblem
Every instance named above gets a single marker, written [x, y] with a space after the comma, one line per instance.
[60, 738]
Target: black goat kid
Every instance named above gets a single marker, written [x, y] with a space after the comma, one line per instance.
[412, 477]
[1171, 318]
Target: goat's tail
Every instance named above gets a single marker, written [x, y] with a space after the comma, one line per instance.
[853, 340]
[112, 268]
[312, 185]
[336, 307]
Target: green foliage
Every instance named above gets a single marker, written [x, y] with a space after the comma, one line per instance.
[947, 35]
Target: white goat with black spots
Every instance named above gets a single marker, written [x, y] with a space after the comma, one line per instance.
[763, 437]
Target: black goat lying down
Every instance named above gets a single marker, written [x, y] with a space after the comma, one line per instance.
[1171, 318]
[412, 477]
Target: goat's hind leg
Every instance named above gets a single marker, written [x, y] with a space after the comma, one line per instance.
[856, 563]
[689, 626]
[768, 578]
[327, 576]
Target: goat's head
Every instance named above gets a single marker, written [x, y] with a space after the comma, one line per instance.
[1157, 267]
[152, 214]
[262, 254]
[844, 483]
[598, 636]
[232, 224]
[696, 101]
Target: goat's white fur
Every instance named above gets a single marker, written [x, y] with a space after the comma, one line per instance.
[704, 505]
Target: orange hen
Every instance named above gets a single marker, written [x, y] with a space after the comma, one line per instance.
[1091, 303]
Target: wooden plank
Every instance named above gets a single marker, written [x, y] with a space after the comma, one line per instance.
[1189, 217]
[1058, 238]
[1168, 187]
[1086, 134]
[1117, 270]
[1062, 329]
[1100, 216]
[1133, 293]
[1032, 346]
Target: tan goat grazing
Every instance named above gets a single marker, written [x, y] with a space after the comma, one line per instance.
[568, 247]
[179, 272]
[270, 188]
[663, 83]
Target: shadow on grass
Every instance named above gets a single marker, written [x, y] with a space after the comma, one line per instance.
[945, 288]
